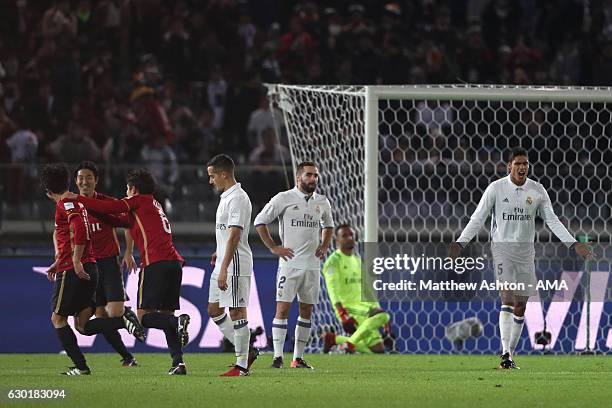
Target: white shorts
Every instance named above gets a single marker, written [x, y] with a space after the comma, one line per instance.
[236, 294]
[301, 282]
[511, 271]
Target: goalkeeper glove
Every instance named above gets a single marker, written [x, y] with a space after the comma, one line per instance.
[348, 323]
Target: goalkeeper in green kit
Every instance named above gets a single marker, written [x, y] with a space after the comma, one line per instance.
[362, 320]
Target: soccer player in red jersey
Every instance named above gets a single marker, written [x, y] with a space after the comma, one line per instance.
[159, 282]
[110, 291]
[74, 272]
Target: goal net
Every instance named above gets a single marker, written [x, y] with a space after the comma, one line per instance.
[410, 163]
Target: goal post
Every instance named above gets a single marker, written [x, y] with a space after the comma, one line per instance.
[409, 164]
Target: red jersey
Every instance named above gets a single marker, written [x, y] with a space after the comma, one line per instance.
[148, 225]
[72, 228]
[104, 237]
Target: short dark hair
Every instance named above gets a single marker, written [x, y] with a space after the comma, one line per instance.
[143, 180]
[300, 167]
[55, 178]
[517, 151]
[89, 165]
[339, 227]
[222, 162]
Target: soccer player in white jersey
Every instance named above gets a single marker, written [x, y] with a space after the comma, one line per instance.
[513, 203]
[230, 282]
[306, 229]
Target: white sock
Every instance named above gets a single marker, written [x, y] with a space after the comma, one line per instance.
[226, 326]
[505, 326]
[242, 335]
[302, 334]
[515, 334]
[279, 332]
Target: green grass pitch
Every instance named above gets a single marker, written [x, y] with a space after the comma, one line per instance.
[337, 381]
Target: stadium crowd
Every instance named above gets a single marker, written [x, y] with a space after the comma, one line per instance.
[174, 82]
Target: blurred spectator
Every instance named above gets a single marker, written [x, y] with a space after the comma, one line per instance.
[150, 114]
[500, 22]
[394, 64]
[567, 65]
[475, 58]
[123, 139]
[297, 47]
[205, 123]
[59, 20]
[247, 32]
[217, 96]
[211, 57]
[161, 160]
[42, 115]
[261, 119]
[193, 143]
[75, 145]
[23, 146]
[12, 97]
[87, 26]
[270, 67]
[269, 151]
[602, 66]
[176, 52]
[7, 129]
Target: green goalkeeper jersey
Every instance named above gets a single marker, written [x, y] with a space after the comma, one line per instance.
[342, 275]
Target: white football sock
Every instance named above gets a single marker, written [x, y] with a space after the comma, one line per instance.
[302, 334]
[242, 335]
[517, 329]
[506, 315]
[279, 332]
[226, 326]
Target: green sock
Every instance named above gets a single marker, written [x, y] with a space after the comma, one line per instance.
[341, 339]
[370, 324]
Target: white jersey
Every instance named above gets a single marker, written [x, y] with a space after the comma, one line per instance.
[513, 209]
[234, 210]
[300, 221]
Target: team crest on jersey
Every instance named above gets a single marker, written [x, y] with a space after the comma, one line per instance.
[529, 201]
[317, 209]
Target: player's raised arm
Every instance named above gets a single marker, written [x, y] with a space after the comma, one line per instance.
[479, 216]
[108, 206]
[117, 221]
